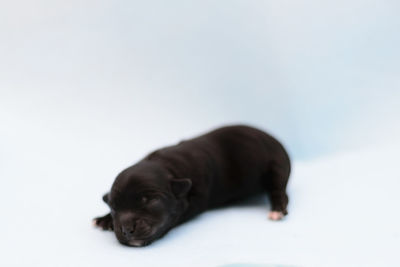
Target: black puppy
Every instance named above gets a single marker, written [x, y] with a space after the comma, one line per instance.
[173, 184]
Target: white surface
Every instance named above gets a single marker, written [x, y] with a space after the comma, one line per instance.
[343, 212]
[88, 87]
[301, 69]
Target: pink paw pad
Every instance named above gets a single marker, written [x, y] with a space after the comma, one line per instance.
[275, 215]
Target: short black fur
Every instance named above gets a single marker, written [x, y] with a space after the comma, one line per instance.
[173, 184]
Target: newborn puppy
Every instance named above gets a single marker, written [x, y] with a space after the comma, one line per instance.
[173, 184]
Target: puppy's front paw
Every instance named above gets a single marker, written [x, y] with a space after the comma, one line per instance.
[105, 222]
[275, 215]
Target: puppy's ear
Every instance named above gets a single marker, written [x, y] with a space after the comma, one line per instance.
[106, 197]
[180, 187]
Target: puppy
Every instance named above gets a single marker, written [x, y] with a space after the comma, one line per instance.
[173, 184]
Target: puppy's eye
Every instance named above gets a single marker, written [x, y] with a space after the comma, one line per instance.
[144, 200]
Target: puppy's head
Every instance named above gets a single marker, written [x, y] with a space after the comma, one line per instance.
[145, 202]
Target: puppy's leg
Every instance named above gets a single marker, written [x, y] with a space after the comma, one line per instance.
[275, 184]
[105, 222]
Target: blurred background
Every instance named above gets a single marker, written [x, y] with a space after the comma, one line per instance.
[88, 87]
[320, 76]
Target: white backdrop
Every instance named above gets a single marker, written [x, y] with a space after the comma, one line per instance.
[89, 87]
[321, 76]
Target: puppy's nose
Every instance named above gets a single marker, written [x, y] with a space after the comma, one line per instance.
[128, 230]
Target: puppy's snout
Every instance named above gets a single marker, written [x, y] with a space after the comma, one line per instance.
[128, 230]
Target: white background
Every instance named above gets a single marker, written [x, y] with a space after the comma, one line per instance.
[89, 87]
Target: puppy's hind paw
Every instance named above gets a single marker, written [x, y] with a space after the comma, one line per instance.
[275, 215]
